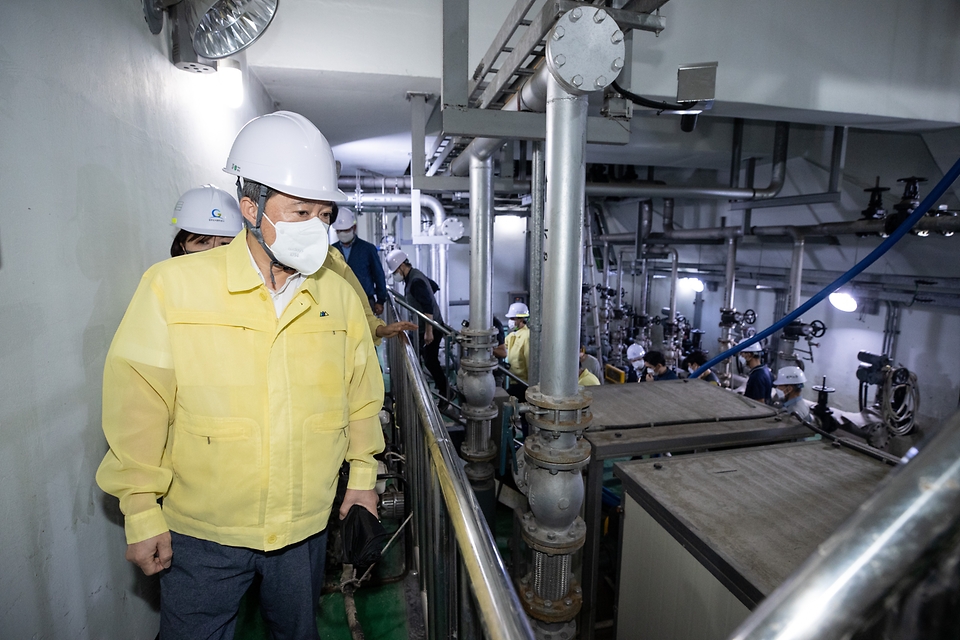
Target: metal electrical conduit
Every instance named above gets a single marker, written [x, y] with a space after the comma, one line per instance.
[501, 614]
[874, 255]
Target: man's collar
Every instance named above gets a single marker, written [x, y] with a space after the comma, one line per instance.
[241, 276]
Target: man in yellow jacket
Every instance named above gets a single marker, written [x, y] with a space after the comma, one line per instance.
[518, 346]
[238, 382]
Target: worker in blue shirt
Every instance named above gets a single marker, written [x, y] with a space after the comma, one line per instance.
[657, 367]
[362, 258]
[760, 383]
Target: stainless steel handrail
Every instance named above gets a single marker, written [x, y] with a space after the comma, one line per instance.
[446, 510]
[904, 523]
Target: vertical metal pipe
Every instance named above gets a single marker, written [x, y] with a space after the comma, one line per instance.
[796, 274]
[751, 177]
[481, 243]
[594, 294]
[669, 340]
[729, 283]
[538, 180]
[565, 165]
[737, 150]
[668, 205]
[837, 155]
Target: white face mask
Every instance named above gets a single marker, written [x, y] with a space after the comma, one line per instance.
[346, 237]
[301, 245]
[778, 395]
[511, 323]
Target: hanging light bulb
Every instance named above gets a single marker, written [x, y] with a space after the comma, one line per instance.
[843, 301]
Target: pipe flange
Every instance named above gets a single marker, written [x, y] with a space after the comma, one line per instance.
[570, 403]
[550, 611]
[539, 452]
[483, 455]
[482, 365]
[585, 50]
[551, 541]
[478, 338]
[471, 412]
[553, 421]
[478, 471]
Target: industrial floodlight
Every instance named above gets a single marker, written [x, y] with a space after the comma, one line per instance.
[694, 284]
[843, 301]
[224, 27]
[207, 30]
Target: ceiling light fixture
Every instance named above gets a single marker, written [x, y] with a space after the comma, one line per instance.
[694, 284]
[843, 301]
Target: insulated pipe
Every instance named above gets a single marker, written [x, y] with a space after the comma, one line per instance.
[645, 223]
[796, 274]
[729, 283]
[594, 295]
[566, 159]
[668, 215]
[671, 351]
[532, 96]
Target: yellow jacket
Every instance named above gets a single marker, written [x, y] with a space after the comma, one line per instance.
[587, 379]
[238, 420]
[339, 266]
[518, 351]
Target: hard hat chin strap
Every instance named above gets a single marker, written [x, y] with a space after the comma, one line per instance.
[258, 234]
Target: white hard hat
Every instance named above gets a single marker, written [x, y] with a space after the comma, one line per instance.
[208, 211]
[285, 151]
[752, 348]
[634, 352]
[395, 258]
[518, 310]
[790, 375]
[345, 219]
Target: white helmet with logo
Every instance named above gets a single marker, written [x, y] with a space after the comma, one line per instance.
[286, 152]
[345, 219]
[790, 375]
[208, 211]
[635, 352]
[395, 258]
[518, 310]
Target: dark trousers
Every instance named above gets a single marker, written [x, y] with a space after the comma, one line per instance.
[200, 593]
[430, 353]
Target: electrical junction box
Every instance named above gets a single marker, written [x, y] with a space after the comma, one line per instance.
[697, 82]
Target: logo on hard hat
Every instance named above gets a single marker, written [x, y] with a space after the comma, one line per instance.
[216, 214]
[235, 167]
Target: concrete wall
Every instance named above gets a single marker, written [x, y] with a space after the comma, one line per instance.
[100, 134]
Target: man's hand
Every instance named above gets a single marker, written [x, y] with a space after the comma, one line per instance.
[152, 555]
[377, 308]
[428, 335]
[365, 498]
[393, 330]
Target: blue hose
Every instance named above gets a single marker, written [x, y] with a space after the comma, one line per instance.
[858, 268]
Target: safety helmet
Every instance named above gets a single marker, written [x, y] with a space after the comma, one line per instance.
[395, 258]
[790, 375]
[634, 352]
[518, 310]
[345, 219]
[208, 211]
[286, 152]
[752, 348]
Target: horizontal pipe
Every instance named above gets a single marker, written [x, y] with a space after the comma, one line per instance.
[675, 235]
[402, 199]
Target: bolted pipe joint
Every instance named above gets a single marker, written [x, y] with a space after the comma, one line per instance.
[585, 55]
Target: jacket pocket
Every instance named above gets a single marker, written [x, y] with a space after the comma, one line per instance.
[217, 470]
[324, 449]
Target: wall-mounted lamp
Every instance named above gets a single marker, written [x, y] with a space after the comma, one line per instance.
[843, 301]
[207, 30]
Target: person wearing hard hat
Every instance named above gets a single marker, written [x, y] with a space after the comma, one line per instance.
[760, 382]
[591, 364]
[362, 257]
[226, 466]
[205, 217]
[418, 290]
[518, 347]
[789, 382]
[634, 362]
